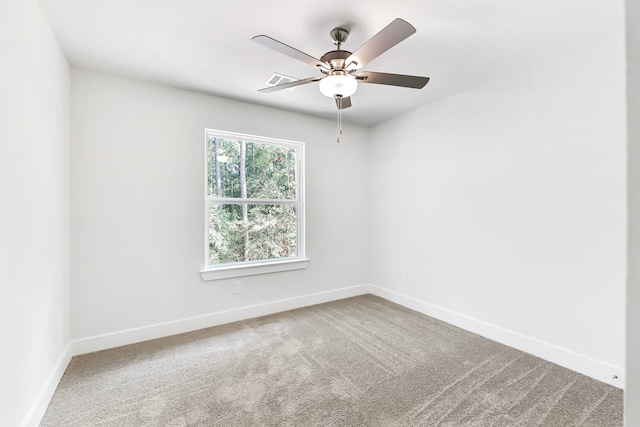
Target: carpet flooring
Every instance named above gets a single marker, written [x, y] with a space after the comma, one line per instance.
[357, 362]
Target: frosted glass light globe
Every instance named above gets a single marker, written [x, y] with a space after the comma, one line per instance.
[343, 85]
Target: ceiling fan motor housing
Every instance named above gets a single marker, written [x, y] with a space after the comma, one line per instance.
[335, 59]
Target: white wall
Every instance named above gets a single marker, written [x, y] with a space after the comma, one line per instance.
[632, 391]
[506, 207]
[34, 214]
[137, 205]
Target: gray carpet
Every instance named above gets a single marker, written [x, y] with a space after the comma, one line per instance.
[357, 362]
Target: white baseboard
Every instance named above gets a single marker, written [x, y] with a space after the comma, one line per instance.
[35, 414]
[596, 369]
[132, 336]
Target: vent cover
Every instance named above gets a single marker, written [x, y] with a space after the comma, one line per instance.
[279, 79]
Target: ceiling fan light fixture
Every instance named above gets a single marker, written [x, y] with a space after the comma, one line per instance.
[343, 85]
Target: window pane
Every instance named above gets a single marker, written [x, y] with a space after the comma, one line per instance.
[266, 232]
[225, 234]
[246, 169]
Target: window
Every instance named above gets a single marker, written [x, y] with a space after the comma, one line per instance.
[254, 199]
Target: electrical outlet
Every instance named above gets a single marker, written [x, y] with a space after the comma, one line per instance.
[237, 286]
[404, 277]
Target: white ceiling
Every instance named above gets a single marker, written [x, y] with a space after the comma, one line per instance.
[205, 45]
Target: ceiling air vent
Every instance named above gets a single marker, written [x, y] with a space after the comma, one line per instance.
[279, 79]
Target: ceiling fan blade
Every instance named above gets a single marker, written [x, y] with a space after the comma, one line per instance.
[415, 82]
[388, 37]
[344, 103]
[290, 84]
[289, 51]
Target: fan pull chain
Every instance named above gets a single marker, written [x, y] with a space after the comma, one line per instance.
[339, 102]
[339, 99]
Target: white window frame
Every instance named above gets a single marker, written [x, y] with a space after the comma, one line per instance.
[250, 268]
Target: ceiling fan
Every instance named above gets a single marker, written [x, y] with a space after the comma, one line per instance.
[340, 68]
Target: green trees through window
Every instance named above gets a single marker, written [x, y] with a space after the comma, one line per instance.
[253, 200]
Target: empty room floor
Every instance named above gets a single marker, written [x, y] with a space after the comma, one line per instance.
[361, 361]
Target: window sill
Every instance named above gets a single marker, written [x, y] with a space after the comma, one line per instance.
[220, 273]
